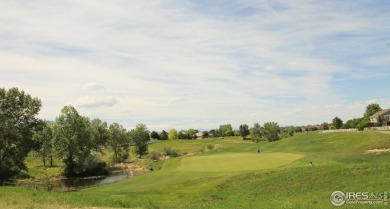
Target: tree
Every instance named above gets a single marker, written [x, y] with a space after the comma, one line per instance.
[298, 129]
[271, 131]
[118, 142]
[140, 137]
[181, 135]
[244, 130]
[205, 134]
[172, 134]
[154, 135]
[256, 133]
[337, 122]
[44, 139]
[163, 135]
[291, 130]
[371, 109]
[225, 130]
[73, 141]
[18, 123]
[325, 126]
[100, 133]
[192, 133]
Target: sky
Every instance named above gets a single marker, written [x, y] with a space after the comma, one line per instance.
[198, 64]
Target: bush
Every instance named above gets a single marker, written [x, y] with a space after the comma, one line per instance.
[170, 151]
[210, 147]
[155, 155]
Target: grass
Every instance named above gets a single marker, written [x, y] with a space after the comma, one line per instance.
[236, 176]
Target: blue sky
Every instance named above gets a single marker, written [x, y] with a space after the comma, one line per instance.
[199, 64]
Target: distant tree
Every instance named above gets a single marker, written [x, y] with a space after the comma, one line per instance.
[163, 135]
[44, 139]
[244, 130]
[298, 129]
[181, 135]
[291, 130]
[73, 141]
[236, 133]
[226, 130]
[337, 122]
[325, 126]
[271, 131]
[371, 109]
[154, 135]
[256, 133]
[172, 134]
[192, 133]
[18, 123]
[140, 137]
[213, 133]
[353, 123]
[205, 134]
[119, 142]
[100, 133]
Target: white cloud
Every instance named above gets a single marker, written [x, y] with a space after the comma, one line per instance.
[94, 87]
[144, 57]
[96, 102]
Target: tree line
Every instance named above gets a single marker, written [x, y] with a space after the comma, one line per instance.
[359, 123]
[77, 140]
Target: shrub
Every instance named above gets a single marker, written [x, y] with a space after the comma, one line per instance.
[170, 151]
[155, 155]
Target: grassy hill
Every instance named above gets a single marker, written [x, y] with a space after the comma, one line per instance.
[229, 173]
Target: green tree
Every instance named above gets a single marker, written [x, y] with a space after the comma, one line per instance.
[244, 130]
[325, 126]
[291, 130]
[119, 142]
[172, 134]
[298, 129]
[154, 135]
[337, 122]
[371, 109]
[191, 133]
[181, 135]
[205, 134]
[256, 133]
[18, 123]
[225, 130]
[271, 131]
[100, 133]
[44, 138]
[73, 141]
[163, 135]
[140, 137]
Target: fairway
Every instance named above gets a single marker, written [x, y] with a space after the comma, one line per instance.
[237, 161]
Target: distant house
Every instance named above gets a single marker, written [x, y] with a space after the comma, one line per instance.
[383, 114]
[199, 135]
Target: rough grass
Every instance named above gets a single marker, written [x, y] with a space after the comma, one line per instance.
[340, 164]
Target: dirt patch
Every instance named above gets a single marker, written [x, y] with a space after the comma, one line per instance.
[377, 151]
[384, 132]
[131, 167]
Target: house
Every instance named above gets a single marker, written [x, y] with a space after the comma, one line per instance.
[383, 114]
[199, 135]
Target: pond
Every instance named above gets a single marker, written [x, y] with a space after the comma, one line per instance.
[69, 184]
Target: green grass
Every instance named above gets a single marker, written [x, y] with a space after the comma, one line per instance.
[236, 176]
[237, 161]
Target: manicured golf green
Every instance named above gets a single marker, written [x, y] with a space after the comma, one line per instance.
[237, 161]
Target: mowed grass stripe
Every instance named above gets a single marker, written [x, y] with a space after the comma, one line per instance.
[237, 161]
